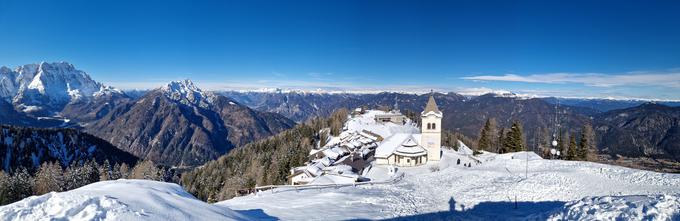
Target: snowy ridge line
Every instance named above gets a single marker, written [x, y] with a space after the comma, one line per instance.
[393, 180]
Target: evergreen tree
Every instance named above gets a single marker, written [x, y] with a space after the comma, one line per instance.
[72, 177]
[115, 172]
[89, 173]
[4, 188]
[20, 185]
[484, 142]
[514, 140]
[572, 152]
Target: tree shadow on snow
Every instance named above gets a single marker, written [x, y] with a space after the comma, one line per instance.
[256, 214]
[491, 211]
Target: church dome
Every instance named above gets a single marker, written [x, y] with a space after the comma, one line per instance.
[410, 148]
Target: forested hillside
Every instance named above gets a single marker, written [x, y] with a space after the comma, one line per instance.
[260, 163]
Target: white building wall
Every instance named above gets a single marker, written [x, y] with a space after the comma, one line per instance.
[431, 139]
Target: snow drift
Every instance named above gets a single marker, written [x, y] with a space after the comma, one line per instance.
[118, 200]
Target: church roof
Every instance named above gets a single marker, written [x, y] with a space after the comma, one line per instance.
[410, 148]
[405, 144]
[431, 106]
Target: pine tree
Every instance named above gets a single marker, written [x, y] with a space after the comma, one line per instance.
[514, 140]
[20, 185]
[572, 152]
[115, 172]
[484, 142]
[71, 177]
[90, 173]
[4, 188]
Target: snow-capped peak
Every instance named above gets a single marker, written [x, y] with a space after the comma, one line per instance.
[183, 86]
[186, 92]
[48, 85]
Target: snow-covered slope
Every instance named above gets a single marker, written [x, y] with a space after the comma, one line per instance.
[495, 187]
[48, 86]
[636, 207]
[552, 189]
[118, 200]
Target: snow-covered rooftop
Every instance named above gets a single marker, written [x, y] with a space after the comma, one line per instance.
[389, 145]
[410, 147]
[367, 122]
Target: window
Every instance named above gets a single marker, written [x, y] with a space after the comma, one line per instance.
[429, 126]
[408, 160]
[433, 126]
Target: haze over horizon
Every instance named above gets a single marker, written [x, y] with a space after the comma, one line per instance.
[587, 49]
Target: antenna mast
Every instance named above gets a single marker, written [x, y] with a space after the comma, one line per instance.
[553, 150]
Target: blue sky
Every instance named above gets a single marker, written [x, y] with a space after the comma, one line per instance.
[584, 49]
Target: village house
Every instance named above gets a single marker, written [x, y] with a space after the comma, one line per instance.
[386, 138]
[406, 149]
[393, 116]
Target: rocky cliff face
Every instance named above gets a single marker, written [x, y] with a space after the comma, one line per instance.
[46, 89]
[179, 124]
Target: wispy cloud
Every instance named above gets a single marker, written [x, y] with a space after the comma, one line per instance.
[667, 79]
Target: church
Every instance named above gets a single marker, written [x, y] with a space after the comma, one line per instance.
[413, 149]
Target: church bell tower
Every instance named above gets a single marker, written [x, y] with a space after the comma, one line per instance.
[431, 130]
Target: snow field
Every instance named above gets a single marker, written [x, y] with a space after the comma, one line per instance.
[118, 200]
[552, 189]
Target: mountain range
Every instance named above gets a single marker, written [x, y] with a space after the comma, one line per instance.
[176, 124]
[181, 125]
[45, 89]
[639, 130]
